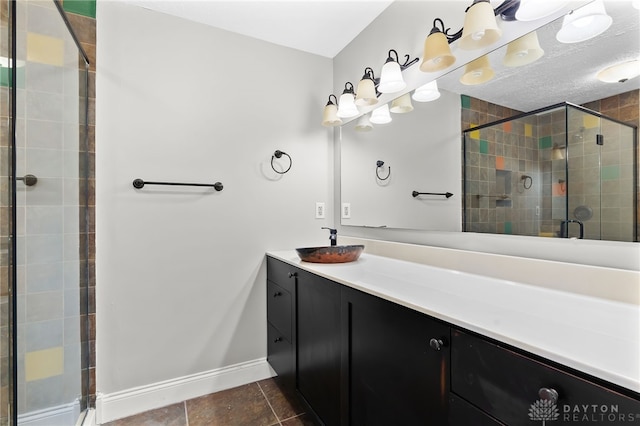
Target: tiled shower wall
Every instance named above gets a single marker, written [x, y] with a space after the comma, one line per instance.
[516, 165]
[82, 17]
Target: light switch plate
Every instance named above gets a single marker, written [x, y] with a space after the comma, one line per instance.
[320, 211]
[346, 210]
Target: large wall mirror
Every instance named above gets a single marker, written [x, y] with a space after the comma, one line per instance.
[422, 149]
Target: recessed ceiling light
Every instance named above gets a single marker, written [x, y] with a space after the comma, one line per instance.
[621, 72]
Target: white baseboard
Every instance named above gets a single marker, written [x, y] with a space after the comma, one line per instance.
[62, 415]
[125, 403]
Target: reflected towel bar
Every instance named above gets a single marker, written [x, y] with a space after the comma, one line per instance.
[446, 194]
[139, 184]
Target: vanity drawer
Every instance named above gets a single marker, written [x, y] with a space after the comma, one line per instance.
[461, 413]
[279, 309]
[506, 385]
[280, 355]
[281, 273]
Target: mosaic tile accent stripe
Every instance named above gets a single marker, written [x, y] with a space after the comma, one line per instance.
[545, 142]
[466, 102]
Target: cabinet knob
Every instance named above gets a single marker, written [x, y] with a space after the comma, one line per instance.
[549, 394]
[277, 339]
[293, 274]
[277, 293]
[436, 344]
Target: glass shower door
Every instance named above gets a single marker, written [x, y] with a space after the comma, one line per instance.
[600, 173]
[49, 116]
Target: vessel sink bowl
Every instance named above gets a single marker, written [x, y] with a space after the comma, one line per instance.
[330, 254]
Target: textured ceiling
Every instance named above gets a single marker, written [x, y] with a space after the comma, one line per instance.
[566, 72]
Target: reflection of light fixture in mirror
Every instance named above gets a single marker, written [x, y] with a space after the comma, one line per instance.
[363, 124]
[531, 10]
[426, 93]
[366, 93]
[557, 152]
[329, 115]
[621, 72]
[346, 106]
[584, 23]
[391, 80]
[523, 51]
[437, 53]
[477, 72]
[381, 115]
[402, 104]
[480, 27]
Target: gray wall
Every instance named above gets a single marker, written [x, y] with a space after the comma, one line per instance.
[180, 272]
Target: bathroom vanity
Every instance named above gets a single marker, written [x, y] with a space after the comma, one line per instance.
[386, 342]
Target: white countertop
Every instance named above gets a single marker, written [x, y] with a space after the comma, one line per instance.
[597, 336]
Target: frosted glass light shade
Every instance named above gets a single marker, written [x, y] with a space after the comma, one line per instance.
[531, 10]
[428, 92]
[381, 115]
[480, 27]
[437, 53]
[363, 124]
[346, 106]
[523, 51]
[619, 73]
[391, 80]
[330, 117]
[402, 104]
[366, 93]
[584, 23]
[477, 72]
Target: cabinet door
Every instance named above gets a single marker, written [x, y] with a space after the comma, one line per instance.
[395, 377]
[318, 345]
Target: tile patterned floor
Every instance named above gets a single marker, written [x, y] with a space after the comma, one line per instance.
[262, 403]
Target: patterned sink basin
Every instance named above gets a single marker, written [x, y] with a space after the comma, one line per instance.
[330, 254]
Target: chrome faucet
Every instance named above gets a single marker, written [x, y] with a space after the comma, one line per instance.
[333, 235]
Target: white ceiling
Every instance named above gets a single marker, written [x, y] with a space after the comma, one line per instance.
[324, 27]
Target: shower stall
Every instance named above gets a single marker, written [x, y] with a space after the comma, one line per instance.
[44, 238]
[563, 171]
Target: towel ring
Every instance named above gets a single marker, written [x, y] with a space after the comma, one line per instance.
[279, 154]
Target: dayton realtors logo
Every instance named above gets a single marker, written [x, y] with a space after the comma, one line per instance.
[546, 410]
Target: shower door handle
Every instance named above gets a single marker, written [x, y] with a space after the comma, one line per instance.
[564, 228]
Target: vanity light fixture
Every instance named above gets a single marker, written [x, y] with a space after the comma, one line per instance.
[531, 10]
[621, 72]
[366, 94]
[391, 80]
[364, 124]
[329, 115]
[480, 26]
[402, 104]
[477, 72]
[347, 107]
[381, 115]
[426, 93]
[437, 53]
[523, 51]
[584, 23]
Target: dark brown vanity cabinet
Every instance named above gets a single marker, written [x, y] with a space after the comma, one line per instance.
[281, 280]
[492, 383]
[397, 371]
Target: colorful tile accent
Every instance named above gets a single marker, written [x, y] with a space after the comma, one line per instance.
[45, 363]
[507, 126]
[80, 7]
[466, 102]
[45, 49]
[499, 162]
[474, 134]
[590, 121]
[528, 130]
[5, 77]
[610, 172]
[484, 147]
[545, 142]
